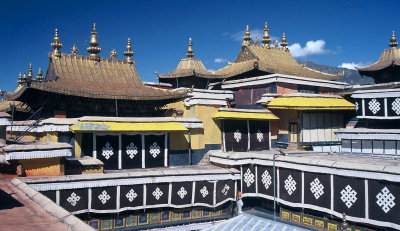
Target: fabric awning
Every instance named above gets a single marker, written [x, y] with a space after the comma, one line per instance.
[310, 103]
[244, 115]
[127, 127]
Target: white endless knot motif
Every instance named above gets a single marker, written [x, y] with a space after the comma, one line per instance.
[131, 195]
[348, 196]
[374, 106]
[73, 199]
[182, 192]
[157, 193]
[290, 185]
[204, 191]
[248, 178]
[225, 189]
[154, 150]
[107, 151]
[356, 106]
[317, 188]
[260, 136]
[385, 200]
[104, 197]
[266, 179]
[237, 135]
[131, 150]
[396, 106]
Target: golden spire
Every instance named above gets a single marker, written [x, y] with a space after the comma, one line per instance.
[189, 53]
[393, 43]
[30, 72]
[128, 52]
[20, 79]
[24, 77]
[40, 75]
[56, 45]
[266, 39]
[74, 50]
[93, 49]
[247, 37]
[284, 43]
[113, 54]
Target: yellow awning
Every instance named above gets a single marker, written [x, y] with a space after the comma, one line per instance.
[310, 103]
[127, 127]
[244, 115]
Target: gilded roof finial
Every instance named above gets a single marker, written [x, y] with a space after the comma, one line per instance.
[40, 75]
[266, 39]
[284, 43]
[247, 37]
[93, 49]
[30, 72]
[113, 54]
[56, 45]
[20, 81]
[24, 77]
[74, 50]
[393, 42]
[189, 53]
[128, 52]
[276, 44]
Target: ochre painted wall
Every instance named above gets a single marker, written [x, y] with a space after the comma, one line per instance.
[43, 167]
[39, 136]
[212, 131]
[285, 116]
[78, 145]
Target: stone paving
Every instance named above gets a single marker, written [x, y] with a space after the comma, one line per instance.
[19, 212]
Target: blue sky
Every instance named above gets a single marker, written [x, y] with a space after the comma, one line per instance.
[336, 32]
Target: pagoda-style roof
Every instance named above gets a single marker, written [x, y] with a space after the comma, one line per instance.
[107, 78]
[270, 60]
[91, 76]
[387, 66]
[190, 67]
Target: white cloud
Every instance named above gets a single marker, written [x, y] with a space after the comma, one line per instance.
[353, 65]
[311, 48]
[220, 60]
[211, 70]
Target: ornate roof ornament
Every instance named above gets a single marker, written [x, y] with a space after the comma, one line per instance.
[393, 42]
[113, 54]
[40, 75]
[20, 81]
[284, 44]
[30, 72]
[74, 50]
[93, 49]
[56, 45]
[128, 52]
[266, 39]
[24, 78]
[190, 53]
[247, 37]
[276, 44]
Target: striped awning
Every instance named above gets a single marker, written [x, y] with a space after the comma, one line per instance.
[310, 103]
[127, 127]
[244, 115]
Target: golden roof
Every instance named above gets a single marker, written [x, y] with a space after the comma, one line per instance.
[270, 60]
[190, 67]
[389, 57]
[107, 78]
[6, 106]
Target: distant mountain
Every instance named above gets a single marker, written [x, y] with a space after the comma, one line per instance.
[350, 76]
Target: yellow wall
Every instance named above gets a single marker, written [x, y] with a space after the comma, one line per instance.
[43, 167]
[78, 145]
[39, 136]
[285, 116]
[212, 131]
